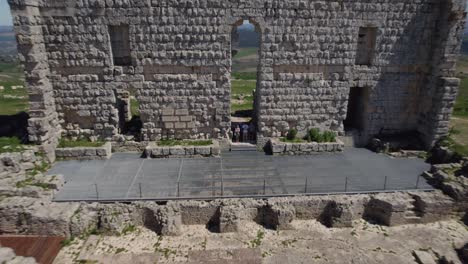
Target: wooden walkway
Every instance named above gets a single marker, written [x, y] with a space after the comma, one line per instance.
[43, 249]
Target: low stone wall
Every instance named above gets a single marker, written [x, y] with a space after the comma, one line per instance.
[155, 151]
[282, 148]
[31, 216]
[85, 153]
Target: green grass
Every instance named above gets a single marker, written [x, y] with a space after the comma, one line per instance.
[245, 88]
[173, 142]
[10, 144]
[65, 143]
[460, 149]
[11, 74]
[461, 105]
[245, 52]
[134, 107]
[244, 76]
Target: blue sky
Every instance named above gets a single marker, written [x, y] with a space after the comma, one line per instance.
[5, 16]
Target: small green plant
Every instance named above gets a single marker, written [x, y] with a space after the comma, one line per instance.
[120, 250]
[292, 134]
[288, 242]
[128, 229]
[258, 240]
[30, 181]
[67, 242]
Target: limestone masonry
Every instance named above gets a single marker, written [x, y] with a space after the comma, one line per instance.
[378, 66]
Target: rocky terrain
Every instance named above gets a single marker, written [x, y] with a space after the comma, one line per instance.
[309, 242]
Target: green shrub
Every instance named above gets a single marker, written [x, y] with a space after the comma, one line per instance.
[292, 134]
[314, 135]
[329, 136]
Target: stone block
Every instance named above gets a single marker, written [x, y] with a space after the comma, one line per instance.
[204, 151]
[167, 112]
[229, 220]
[170, 119]
[185, 119]
[177, 151]
[90, 152]
[156, 152]
[179, 125]
[181, 112]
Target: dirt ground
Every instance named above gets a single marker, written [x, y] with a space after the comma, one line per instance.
[310, 242]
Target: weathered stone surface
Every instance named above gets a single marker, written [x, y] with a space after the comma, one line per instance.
[229, 219]
[32, 216]
[178, 64]
[281, 148]
[8, 256]
[423, 257]
[85, 153]
[155, 151]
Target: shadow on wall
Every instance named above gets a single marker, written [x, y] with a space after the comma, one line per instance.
[15, 126]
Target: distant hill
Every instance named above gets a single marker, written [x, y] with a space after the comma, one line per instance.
[8, 49]
[6, 29]
[248, 38]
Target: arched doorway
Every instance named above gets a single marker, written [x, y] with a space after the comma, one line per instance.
[245, 51]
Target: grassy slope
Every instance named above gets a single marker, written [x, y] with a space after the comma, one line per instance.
[12, 75]
[245, 52]
[244, 67]
[459, 121]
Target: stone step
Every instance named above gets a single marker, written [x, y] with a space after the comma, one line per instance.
[243, 147]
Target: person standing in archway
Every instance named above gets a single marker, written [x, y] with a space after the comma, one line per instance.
[245, 132]
[237, 133]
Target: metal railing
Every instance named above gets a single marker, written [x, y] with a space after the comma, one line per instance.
[220, 186]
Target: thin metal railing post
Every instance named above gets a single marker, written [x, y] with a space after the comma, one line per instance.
[385, 184]
[305, 187]
[97, 193]
[141, 196]
[222, 187]
[346, 184]
[178, 188]
[417, 181]
[264, 186]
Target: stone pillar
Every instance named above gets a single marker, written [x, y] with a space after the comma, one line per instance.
[44, 128]
[439, 96]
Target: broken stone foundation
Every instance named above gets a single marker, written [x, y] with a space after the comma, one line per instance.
[24, 215]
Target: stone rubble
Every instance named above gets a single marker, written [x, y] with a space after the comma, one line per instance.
[8, 256]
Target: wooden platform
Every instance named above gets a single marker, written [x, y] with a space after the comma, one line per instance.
[43, 249]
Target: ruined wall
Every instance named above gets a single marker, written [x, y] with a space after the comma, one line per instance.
[181, 62]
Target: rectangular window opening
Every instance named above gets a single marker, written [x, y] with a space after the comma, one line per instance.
[120, 43]
[366, 45]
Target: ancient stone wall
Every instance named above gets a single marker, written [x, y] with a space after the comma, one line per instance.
[180, 50]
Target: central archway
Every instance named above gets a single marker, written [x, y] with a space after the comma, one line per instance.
[245, 67]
